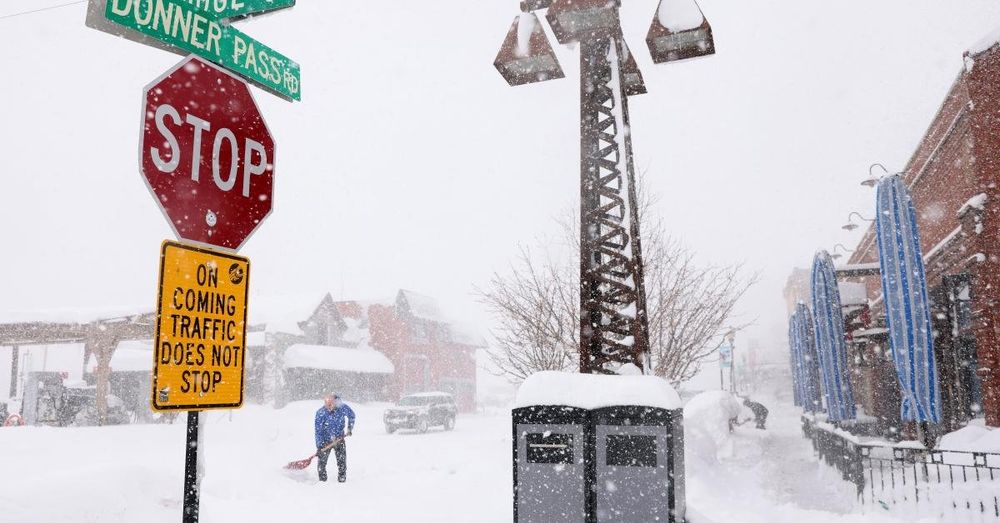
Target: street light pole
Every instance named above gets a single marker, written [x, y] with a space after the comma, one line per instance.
[613, 323]
[613, 326]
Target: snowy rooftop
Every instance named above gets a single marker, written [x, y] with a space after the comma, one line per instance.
[337, 358]
[591, 391]
[987, 42]
[422, 306]
[282, 313]
[71, 314]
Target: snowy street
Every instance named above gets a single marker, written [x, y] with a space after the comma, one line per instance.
[134, 473]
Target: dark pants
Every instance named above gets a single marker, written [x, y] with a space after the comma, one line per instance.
[340, 452]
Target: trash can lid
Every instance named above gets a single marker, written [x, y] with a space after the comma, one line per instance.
[593, 391]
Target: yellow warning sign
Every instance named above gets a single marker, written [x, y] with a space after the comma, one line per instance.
[201, 329]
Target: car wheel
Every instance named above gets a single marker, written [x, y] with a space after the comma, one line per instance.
[389, 429]
[449, 423]
[422, 425]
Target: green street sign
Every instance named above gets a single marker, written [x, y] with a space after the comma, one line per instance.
[196, 26]
[229, 9]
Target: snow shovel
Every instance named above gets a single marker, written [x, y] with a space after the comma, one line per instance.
[303, 463]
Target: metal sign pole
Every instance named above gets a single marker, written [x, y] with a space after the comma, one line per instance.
[191, 494]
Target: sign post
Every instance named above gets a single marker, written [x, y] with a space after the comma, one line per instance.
[200, 339]
[208, 158]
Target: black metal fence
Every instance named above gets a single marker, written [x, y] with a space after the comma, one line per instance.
[899, 478]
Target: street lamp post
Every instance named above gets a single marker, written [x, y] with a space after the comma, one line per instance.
[613, 323]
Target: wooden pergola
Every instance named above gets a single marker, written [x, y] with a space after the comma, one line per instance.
[100, 338]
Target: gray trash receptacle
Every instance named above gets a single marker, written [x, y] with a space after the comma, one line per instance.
[592, 448]
[549, 464]
[639, 464]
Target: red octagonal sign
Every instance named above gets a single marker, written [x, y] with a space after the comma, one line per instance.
[206, 154]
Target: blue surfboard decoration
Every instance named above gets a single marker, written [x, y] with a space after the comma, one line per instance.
[831, 347]
[808, 363]
[904, 290]
[798, 380]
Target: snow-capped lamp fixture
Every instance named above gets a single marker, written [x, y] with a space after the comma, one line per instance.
[526, 55]
[679, 31]
[576, 20]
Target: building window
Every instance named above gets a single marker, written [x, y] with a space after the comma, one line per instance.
[959, 288]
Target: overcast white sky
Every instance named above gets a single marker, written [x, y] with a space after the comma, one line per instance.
[410, 162]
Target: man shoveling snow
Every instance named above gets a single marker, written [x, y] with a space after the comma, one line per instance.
[330, 429]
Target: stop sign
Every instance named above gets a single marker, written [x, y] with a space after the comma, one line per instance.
[206, 154]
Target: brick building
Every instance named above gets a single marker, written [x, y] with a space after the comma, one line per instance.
[954, 179]
[429, 352]
[298, 348]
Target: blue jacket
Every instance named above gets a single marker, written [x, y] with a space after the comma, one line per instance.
[330, 423]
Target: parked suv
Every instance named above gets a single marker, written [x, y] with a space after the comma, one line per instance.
[420, 411]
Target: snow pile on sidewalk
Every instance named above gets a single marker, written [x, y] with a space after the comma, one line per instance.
[762, 476]
[972, 438]
[706, 426]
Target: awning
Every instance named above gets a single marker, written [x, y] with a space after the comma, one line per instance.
[831, 347]
[904, 289]
[806, 362]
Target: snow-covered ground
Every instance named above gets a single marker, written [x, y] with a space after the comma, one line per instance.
[134, 473]
[762, 476]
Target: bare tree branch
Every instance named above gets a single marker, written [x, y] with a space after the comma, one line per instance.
[690, 308]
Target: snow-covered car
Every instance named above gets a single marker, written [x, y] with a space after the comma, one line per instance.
[421, 411]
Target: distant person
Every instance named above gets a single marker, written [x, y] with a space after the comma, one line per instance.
[330, 428]
[759, 412]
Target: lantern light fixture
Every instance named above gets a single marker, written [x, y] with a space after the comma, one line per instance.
[679, 31]
[526, 55]
[575, 20]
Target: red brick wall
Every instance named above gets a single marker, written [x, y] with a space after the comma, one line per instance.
[984, 88]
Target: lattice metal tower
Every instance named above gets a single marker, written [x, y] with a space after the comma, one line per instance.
[613, 321]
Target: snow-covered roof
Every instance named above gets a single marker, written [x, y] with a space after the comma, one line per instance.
[283, 313]
[985, 43]
[591, 391]
[422, 306]
[852, 293]
[364, 360]
[70, 314]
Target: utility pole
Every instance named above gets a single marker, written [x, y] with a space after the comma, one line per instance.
[613, 322]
